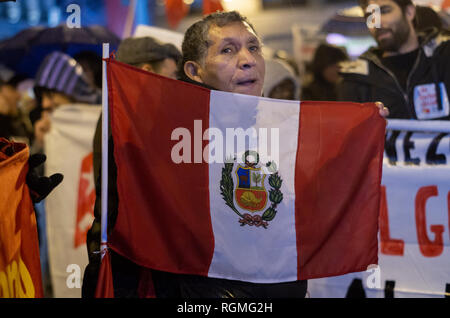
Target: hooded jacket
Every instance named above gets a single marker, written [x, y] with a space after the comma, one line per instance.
[276, 72]
[368, 80]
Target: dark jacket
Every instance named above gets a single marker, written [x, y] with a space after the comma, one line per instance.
[368, 80]
[319, 90]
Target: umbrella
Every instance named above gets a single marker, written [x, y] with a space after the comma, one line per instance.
[24, 52]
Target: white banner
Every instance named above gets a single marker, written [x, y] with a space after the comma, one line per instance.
[414, 235]
[70, 206]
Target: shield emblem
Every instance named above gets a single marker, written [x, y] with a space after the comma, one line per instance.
[250, 193]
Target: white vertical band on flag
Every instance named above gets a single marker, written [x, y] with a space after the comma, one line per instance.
[105, 115]
[250, 253]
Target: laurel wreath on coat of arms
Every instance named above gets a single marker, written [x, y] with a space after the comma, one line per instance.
[275, 194]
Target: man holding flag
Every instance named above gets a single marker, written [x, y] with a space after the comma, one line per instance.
[221, 52]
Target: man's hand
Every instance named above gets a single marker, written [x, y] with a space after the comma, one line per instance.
[40, 187]
[384, 112]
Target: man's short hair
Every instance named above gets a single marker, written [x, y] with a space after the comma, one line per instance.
[146, 50]
[195, 43]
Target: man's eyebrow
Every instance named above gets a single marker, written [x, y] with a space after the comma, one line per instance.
[252, 39]
[228, 40]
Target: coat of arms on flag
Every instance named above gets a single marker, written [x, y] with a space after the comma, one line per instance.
[250, 192]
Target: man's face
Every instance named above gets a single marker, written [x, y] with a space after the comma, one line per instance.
[394, 28]
[52, 100]
[168, 68]
[234, 61]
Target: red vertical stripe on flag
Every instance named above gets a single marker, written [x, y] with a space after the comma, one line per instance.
[164, 220]
[337, 180]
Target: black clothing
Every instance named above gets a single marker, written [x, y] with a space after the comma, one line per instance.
[401, 65]
[369, 80]
[319, 90]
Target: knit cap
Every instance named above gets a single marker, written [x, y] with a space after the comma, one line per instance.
[62, 73]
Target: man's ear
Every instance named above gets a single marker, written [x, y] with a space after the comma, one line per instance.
[410, 12]
[147, 67]
[192, 69]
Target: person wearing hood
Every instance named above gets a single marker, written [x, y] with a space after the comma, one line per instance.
[280, 81]
[409, 71]
[60, 81]
[325, 69]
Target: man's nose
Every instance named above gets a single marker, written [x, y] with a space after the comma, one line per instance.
[246, 59]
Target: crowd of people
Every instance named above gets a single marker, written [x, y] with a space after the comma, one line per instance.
[223, 51]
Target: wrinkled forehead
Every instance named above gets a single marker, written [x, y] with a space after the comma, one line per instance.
[237, 31]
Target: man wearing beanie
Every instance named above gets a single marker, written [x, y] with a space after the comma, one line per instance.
[153, 56]
[408, 71]
[59, 81]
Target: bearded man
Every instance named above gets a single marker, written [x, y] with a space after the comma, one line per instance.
[408, 71]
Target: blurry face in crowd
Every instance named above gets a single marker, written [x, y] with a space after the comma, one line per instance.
[168, 68]
[331, 73]
[284, 90]
[396, 25]
[233, 62]
[52, 100]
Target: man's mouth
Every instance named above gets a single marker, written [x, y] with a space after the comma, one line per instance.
[381, 34]
[246, 82]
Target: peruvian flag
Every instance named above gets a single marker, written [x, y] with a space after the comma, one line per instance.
[241, 187]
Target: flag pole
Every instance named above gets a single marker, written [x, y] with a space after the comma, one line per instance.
[105, 116]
